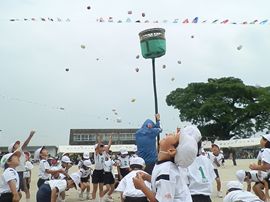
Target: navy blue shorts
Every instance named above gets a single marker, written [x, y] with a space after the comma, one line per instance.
[44, 193]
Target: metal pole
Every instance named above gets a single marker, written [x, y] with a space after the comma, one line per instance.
[155, 94]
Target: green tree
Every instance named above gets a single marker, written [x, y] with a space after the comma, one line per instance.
[223, 107]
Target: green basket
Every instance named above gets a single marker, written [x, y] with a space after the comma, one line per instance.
[153, 43]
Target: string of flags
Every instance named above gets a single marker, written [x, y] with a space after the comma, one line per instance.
[129, 20]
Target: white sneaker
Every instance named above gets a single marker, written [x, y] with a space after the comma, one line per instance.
[219, 194]
[108, 199]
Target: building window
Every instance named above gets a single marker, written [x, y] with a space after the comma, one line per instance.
[85, 137]
[77, 138]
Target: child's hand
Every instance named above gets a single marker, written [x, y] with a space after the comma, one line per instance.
[138, 181]
[253, 166]
[32, 132]
[144, 176]
[157, 117]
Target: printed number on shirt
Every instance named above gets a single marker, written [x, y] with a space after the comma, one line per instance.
[204, 179]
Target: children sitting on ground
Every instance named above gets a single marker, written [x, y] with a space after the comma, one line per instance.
[85, 171]
[167, 184]
[235, 193]
[9, 191]
[216, 158]
[126, 187]
[50, 190]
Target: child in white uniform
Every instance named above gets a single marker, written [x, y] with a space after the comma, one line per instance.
[44, 167]
[236, 193]
[98, 173]
[167, 184]
[27, 174]
[9, 191]
[50, 190]
[123, 163]
[216, 158]
[200, 177]
[109, 180]
[264, 166]
[85, 171]
[126, 187]
[21, 167]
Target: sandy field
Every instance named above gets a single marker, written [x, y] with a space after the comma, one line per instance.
[227, 173]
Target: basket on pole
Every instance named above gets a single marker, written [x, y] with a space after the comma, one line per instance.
[153, 45]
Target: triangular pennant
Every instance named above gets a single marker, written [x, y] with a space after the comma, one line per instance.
[195, 20]
[185, 21]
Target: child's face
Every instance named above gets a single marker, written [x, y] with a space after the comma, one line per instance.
[263, 142]
[44, 154]
[16, 146]
[14, 161]
[215, 150]
[169, 143]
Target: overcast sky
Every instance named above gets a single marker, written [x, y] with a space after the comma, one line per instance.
[37, 93]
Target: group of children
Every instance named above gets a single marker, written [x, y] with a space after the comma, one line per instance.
[183, 173]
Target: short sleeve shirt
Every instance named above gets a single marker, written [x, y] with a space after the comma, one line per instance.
[8, 175]
[85, 173]
[201, 176]
[61, 185]
[43, 166]
[167, 183]
[99, 160]
[127, 187]
[28, 167]
[123, 162]
[216, 159]
[108, 165]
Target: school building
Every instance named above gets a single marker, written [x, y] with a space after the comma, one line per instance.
[124, 136]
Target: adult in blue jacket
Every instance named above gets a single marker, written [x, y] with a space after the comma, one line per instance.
[146, 142]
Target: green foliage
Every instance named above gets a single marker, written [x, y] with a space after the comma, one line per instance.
[223, 107]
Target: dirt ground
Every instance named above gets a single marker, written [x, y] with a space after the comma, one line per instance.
[227, 173]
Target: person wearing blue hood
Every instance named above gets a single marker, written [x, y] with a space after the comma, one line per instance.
[146, 142]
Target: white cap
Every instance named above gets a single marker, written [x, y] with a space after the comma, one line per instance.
[234, 184]
[135, 148]
[37, 153]
[6, 157]
[65, 159]
[267, 136]
[137, 161]
[87, 163]
[10, 147]
[86, 155]
[192, 131]
[240, 175]
[215, 144]
[76, 178]
[123, 151]
[186, 151]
